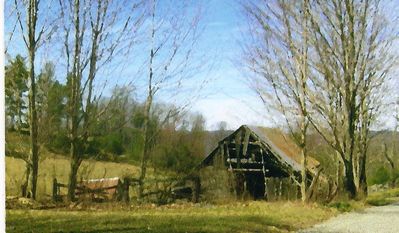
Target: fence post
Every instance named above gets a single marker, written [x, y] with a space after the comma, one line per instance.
[126, 184]
[55, 189]
[197, 189]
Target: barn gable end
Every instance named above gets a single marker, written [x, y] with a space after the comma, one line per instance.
[255, 155]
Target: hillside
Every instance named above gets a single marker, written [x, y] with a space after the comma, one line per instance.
[54, 165]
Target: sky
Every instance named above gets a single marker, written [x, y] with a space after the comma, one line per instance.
[231, 100]
[226, 98]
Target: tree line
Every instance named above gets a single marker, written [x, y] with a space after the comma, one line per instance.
[325, 67]
[178, 144]
[73, 115]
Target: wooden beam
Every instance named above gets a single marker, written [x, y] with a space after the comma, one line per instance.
[238, 146]
[246, 161]
[264, 174]
[228, 155]
[221, 150]
[245, 142]
[245, 170]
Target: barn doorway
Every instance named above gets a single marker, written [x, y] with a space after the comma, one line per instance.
[255, 185]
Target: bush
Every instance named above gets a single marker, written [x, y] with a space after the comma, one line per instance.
[109, 144]
[176, 157]
[341, 206]
[59, 143]
[380, 176]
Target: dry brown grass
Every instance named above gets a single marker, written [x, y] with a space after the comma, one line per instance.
[55, 166]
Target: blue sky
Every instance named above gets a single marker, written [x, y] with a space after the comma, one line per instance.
[231, 101]
[226, 98]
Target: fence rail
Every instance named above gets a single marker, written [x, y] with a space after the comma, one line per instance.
[164, 188]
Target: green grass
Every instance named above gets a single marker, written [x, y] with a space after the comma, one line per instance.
[383, 197]
[346, 206]
[237, 217]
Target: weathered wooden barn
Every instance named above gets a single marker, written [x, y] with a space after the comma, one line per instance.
[255, 158]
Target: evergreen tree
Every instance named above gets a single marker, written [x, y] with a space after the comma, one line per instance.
[16, 78]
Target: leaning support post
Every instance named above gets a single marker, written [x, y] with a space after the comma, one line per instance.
[264, 174]
[197, 189]
[238, 142]
[226, 146]
[221, 150]
[245, 143]
[55, 190]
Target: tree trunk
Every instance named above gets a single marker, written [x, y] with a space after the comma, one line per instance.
[24, 186]
[349, 180]
[362, 190]
[72, 181]
[303, 176]
[146, 146]
[74, 106]
[340, 175]
[75, 161]
[147, 110]
[312, 188]
[33, 124]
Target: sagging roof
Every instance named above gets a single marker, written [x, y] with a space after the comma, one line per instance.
[277, 143]
[283, 146]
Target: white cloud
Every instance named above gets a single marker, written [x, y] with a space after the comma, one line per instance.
[235, 112]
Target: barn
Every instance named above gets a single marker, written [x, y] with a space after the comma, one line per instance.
[262, 163]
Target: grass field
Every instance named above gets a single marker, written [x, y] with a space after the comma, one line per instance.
[57, 166]
[53, 165]
[252, 216]
[237, 217]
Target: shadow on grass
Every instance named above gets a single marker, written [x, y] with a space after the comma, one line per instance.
[167, 224]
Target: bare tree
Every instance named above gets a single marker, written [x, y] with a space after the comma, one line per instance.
[278, 56]
[94, 34]
[172, 62]
[33, 35]
[325, 64]
[350, 61]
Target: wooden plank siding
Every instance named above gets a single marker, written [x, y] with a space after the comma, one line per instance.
[259, 157]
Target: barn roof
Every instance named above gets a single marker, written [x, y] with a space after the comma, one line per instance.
[284, 146]
[277, 143]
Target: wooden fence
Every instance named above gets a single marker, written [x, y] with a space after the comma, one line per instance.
[162, 190]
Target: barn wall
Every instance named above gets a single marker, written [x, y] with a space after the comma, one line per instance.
[281, 189]
[216, 182]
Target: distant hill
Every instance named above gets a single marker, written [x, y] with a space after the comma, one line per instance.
[213, 137]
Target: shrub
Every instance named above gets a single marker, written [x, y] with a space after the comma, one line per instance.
[59, 143]
[380, 176]
[341, 206]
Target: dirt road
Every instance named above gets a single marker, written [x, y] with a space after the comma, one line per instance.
[376, 219]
